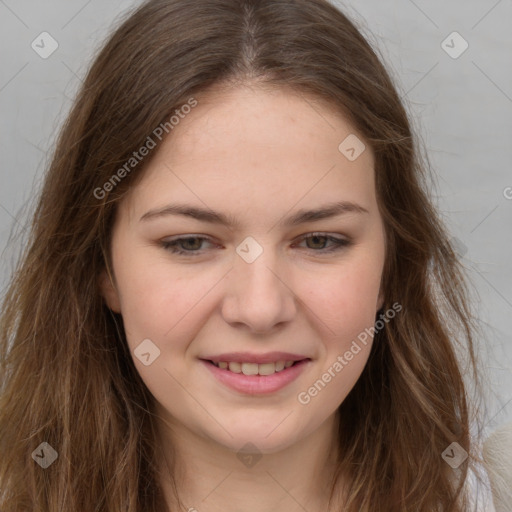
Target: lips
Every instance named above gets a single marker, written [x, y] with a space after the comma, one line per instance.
[255, 384]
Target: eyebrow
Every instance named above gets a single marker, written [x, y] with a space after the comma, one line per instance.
[300, 217]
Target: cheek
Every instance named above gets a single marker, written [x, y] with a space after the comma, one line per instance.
[160, 306]
[166, 304]
[154, 297]
[344, 299]
[344, 308]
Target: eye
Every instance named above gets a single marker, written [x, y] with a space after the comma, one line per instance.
[191, 245]
[322, 239]
[190, 242]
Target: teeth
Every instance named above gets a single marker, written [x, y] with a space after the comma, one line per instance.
[280, 365]
[254, 368]
[266, 369]
[250, 368]
[235, 367]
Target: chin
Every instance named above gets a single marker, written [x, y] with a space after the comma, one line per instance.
[258, 440]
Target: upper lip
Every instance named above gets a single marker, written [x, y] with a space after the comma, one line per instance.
[249, 357]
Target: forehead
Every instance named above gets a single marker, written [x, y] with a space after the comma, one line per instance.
[227, 120]
[243, 144]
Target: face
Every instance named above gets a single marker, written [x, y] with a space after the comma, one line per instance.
[192, 289]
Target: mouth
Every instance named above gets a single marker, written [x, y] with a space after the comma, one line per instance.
[256, 379]
[263, 369]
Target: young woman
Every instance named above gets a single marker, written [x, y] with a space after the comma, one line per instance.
[237, 293]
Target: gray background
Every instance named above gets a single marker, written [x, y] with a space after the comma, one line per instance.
[461, 108]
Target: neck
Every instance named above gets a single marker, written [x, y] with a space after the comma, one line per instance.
[212, 478]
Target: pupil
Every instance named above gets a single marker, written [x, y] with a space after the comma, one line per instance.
[190, 242]
[316, 238]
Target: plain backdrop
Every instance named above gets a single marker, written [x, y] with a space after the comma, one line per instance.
[456, 86]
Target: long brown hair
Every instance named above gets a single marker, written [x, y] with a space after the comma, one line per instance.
[66, 373]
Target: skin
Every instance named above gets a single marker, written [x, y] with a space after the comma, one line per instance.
[257, 154]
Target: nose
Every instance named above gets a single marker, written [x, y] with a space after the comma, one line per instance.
[259, 295]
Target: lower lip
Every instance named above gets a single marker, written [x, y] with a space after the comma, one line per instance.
[257, 384]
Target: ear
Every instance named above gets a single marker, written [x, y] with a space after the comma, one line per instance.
[380, 300]
[109, 292]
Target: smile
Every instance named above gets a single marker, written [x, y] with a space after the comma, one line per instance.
[253, 378]
[254, 368]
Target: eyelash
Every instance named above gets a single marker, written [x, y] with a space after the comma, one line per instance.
[171, 245]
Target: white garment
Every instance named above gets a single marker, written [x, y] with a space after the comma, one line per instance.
[497, 454]
[480, 492]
